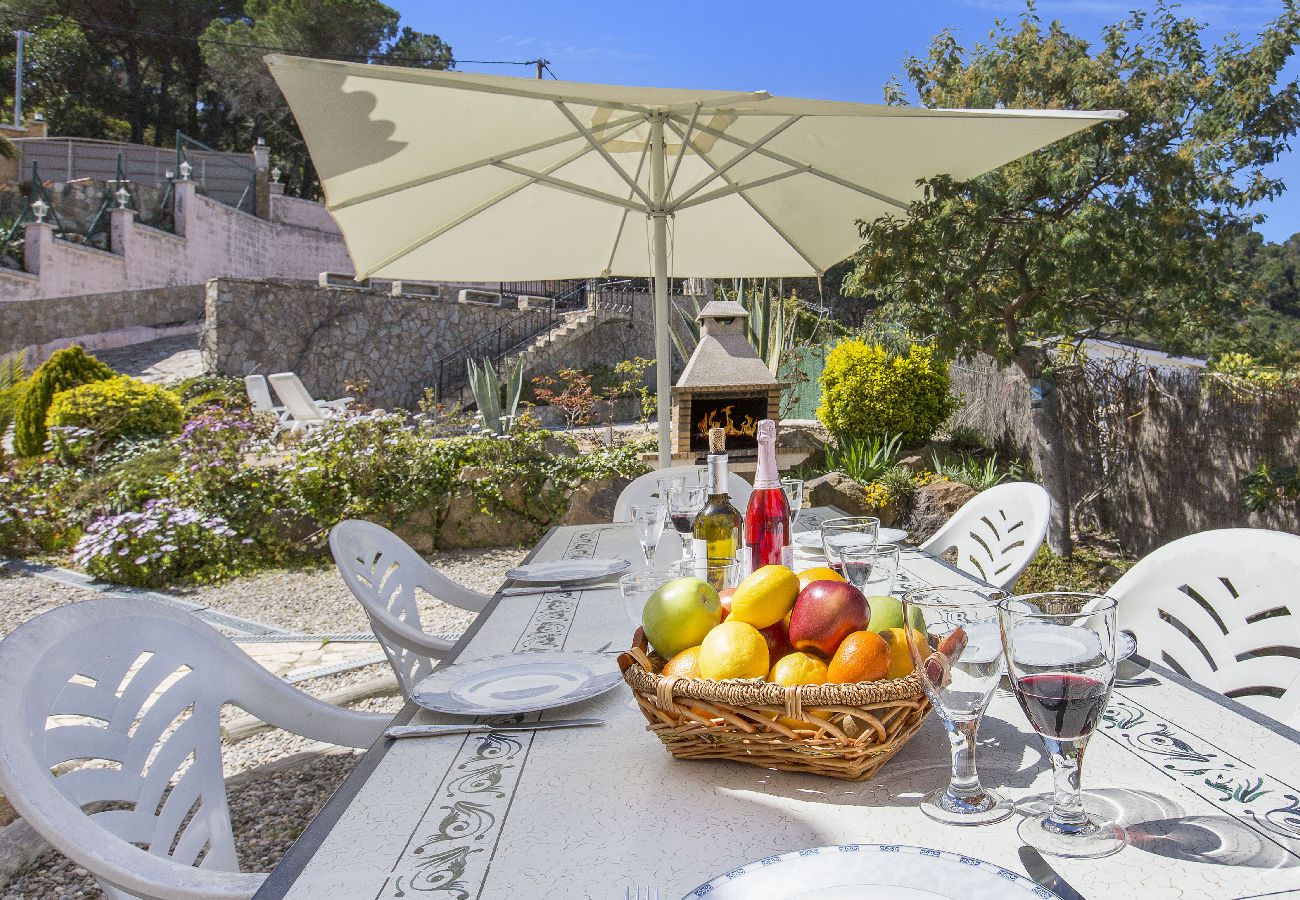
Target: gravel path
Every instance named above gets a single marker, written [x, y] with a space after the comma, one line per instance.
[316, 601]
[23, 597]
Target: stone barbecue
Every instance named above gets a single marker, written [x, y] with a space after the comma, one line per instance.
[725, 385]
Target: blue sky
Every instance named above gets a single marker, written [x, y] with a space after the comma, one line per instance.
[837, 51]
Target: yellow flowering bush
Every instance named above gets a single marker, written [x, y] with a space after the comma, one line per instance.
[866, 390]
[103, 411]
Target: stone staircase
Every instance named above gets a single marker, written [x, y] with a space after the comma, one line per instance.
[548, 344]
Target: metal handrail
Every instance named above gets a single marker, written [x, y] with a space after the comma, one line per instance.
[506, 339]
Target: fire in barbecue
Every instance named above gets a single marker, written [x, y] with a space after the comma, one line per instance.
[746, 427]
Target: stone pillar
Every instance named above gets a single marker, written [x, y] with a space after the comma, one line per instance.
[37, 238]
[184, 195]
[262, 166]
[276, 191]
[121, 229]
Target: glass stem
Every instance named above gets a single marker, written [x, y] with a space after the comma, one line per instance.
[965, 780]
[1067, 800]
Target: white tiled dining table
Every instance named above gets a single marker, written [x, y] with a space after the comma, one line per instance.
[1206, 787]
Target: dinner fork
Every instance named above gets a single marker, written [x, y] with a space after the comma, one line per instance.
[635, 893]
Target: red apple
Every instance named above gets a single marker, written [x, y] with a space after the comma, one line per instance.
[725, 596]
[778, 641]
[824, 614]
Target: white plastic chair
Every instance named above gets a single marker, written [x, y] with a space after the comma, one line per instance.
[78, 683]
[644, 487]
[997, 532]
[1222, 608]
[384, 573]
[302, 411]
[259, 396]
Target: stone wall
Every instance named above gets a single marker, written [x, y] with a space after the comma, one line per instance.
[331, 337]
[1150, 455]
[26, 323]
[211, 240]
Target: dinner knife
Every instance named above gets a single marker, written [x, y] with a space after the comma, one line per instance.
[1045, 875]
[405, 731]
[532, 589]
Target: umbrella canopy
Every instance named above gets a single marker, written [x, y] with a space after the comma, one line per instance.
[434, 174]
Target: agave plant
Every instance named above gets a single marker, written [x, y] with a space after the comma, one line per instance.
[864, 459]
[765, 328]
[486, 387]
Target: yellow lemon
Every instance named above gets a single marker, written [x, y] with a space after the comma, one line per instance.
[798, 668]
[733, 650]
[765, 597]
[900, 658]
[818, 573]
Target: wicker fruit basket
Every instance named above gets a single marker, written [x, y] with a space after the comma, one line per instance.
[849, 730]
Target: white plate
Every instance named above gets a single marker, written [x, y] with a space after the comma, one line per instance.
[562, 570]
[857, 871]
[1125, 646]
[811, 541]
[516, 682]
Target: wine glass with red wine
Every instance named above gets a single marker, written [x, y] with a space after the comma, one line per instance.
[1060, 652]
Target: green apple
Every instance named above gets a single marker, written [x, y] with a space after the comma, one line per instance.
[887, 612]
[680, 614]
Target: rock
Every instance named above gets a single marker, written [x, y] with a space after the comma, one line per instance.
[592, 503]
[804, 435]
[839, 490]
[934, 504]
[518, 518]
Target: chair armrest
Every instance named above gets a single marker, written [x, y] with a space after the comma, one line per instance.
[277, 703]
[411, 638]
[340, 403]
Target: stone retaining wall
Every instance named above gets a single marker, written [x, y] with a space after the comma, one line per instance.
[25, 323]
[332, 337]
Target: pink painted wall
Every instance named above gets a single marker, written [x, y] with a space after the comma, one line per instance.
[211, 240]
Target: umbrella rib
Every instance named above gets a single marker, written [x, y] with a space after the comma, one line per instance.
[629, 121]
[622, 220]
[810, 169]
[571, 187]
[471, 213]
[735, 188]
[754, 206]
[681, 148]
[740, 157]
[605, 154]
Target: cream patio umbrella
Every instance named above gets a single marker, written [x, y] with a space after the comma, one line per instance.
[434, 174]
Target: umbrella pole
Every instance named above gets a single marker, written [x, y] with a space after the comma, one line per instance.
[659, 240]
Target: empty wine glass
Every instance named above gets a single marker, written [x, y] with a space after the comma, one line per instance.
[636, 588]
[793, 488]
[684, 504]
[959, 661]
[841, 532]
[665, 485]
[871, 567]
[648, 519]
[721, 572]
[1060, 653]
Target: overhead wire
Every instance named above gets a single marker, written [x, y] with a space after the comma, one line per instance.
[199, 39]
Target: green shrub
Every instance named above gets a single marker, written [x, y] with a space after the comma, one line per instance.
[866, 391]
[113, 408]
[65, 369]
[12, 375]
[206, 392]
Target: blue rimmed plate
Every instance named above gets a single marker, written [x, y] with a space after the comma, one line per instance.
[855, 871]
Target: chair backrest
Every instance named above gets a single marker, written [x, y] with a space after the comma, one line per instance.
[1222, 608]
[134, 688]
[644, 488]
[259, 393]
[997, 532]
[298, 403]
[385, 575]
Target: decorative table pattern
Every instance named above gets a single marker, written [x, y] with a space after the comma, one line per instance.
[1206, 788]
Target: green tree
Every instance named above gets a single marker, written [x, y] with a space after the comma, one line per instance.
[1126, 228]
[357, 30]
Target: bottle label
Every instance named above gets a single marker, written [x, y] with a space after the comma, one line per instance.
[701, 556]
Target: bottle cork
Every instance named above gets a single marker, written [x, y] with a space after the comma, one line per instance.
[717, 440]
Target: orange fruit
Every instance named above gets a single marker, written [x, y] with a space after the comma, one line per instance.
[684, 665]
[862, 656]
[818, 573]
[900, 657]
[798, 668]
